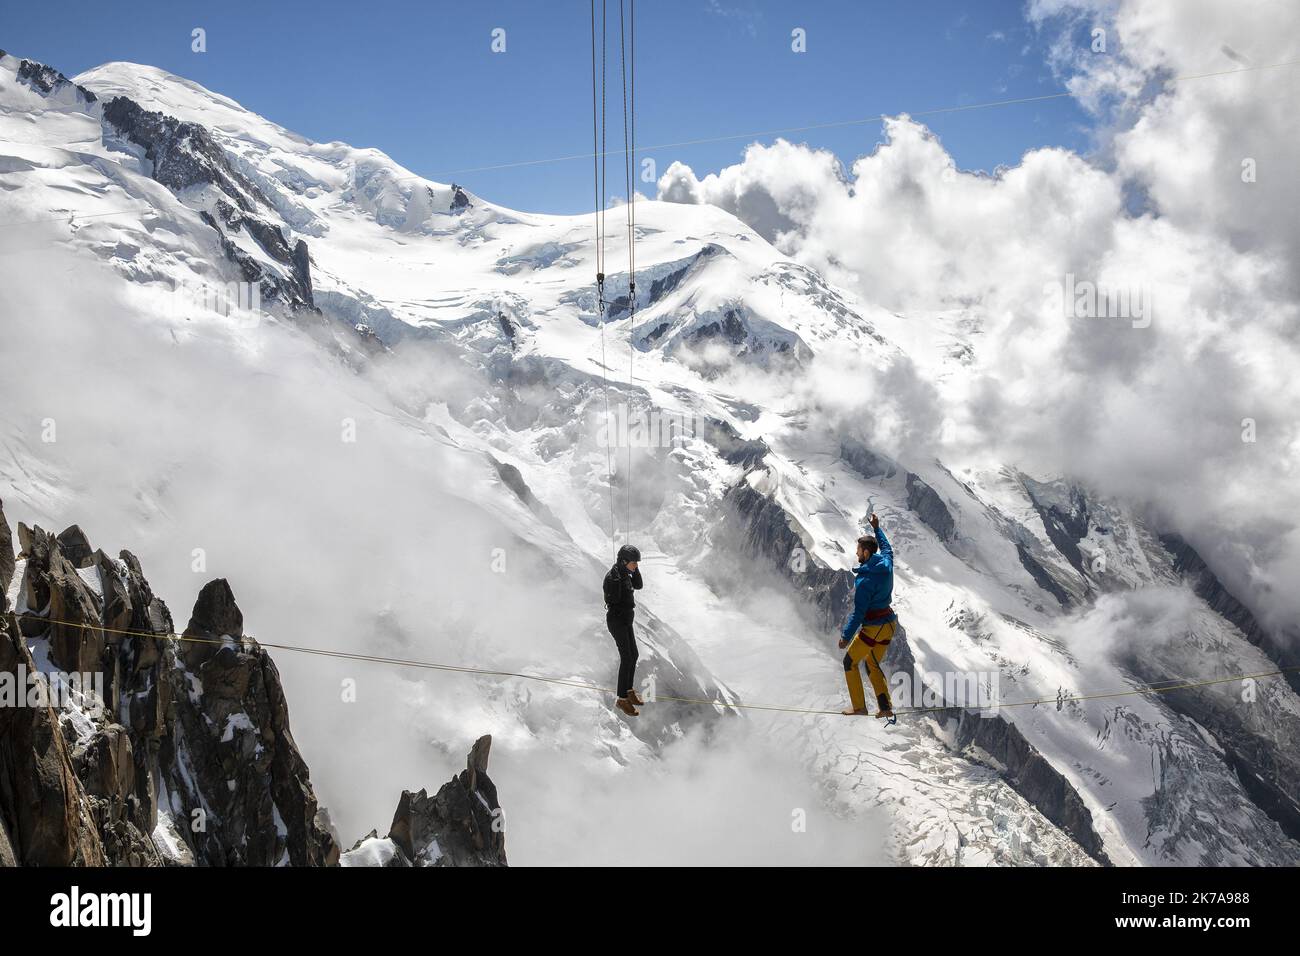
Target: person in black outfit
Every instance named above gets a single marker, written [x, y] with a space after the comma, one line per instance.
[620, 609]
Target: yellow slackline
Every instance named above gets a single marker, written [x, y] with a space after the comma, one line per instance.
[586, 685]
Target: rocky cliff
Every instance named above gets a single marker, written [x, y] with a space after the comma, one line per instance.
[123, 743]
[461, 825]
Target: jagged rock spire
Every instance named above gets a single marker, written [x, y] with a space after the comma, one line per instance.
[189, 760]
[461, 825]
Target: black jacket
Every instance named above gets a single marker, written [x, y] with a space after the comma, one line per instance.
[619, 585]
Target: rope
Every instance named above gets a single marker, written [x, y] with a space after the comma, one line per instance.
[597, 158]
[595, 144]
[604, 153]
[629, 163]
[600, 173]
[587, 685]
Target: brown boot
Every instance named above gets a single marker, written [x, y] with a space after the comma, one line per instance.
[862, 712]
[886, 707]
[635, 698]
[626, 707]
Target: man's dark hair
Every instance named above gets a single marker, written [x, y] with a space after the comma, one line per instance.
[870, 543]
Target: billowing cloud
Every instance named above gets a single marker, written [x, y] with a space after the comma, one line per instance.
[1183, 220]
[225, 455]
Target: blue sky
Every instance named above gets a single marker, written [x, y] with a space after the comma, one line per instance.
[419, 79]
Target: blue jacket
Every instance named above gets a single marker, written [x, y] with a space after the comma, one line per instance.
[873, 587]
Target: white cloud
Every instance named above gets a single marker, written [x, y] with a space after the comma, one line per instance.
[1155, 413]
[228, 440]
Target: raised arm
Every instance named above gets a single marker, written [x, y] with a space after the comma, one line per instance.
[886, 549]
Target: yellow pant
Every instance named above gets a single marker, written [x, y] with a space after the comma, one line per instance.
[870, 644]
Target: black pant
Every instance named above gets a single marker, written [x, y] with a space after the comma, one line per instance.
[621, 629]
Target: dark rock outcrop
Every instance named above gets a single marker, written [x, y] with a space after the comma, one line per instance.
[271, 239]
[730, 328]
[460, 825]
[1191, 567]
[665, 284]
[66, 612]
[1259, 747]
[44, 818]
[866, 462]
[82, 634]
[731, 447]
[922, 500]
[182, 154]
[7, 563]
[459, 201]
[178, 751]
[512, 478]
[47, 80]
[1029, 773]
[1041, 576]
[660, 286]
[294, 288]
[120, 802]
[7, 855]
[1270, 774]
[762, 529]
[925, 502]
[1064, 513]
[507, 328]
[76, 546]
[301, 263]
[232, 727]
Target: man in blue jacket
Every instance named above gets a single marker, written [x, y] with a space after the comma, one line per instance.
[871, 626]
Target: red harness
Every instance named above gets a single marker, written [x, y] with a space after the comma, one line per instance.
[879, 614]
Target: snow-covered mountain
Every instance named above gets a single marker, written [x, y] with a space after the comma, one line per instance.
[466, 514]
